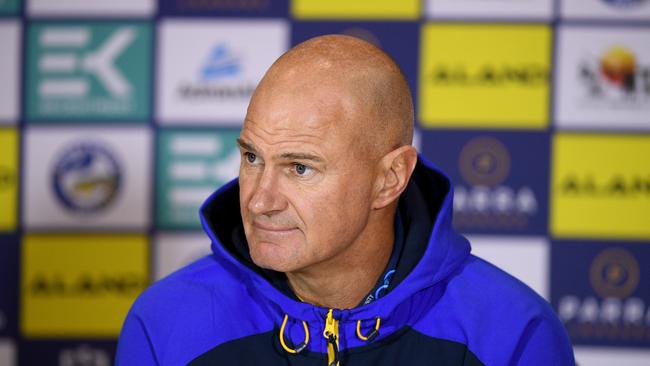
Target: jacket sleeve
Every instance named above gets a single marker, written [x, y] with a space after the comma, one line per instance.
[545, 343]
[135, 346]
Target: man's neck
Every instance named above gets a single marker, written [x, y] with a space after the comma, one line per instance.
[343, 281]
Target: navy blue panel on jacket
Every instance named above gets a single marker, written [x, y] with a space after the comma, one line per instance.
[444, 306]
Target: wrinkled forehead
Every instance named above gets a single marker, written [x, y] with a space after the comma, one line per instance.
[320, 107]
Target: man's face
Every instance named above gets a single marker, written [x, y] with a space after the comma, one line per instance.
[305, 186]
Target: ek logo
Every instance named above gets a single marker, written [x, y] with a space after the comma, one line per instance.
[61, 59]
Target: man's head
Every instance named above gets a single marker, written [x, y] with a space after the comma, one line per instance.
[325, 154]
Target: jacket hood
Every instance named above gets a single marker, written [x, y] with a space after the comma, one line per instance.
[427, 203]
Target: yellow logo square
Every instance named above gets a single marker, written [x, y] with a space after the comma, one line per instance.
[8, 178]
[601, 186]
[80, 285]
[355, 9]
[484, 76]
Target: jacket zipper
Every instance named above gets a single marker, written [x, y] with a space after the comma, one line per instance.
[331, 333]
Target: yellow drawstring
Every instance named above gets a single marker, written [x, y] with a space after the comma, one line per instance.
[301, 346]
[373, 334]
[331, 333]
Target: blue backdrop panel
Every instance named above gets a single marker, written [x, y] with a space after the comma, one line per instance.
[69, 352]
[501, 178]
[254, 8]
[601, 290]
[9, 285]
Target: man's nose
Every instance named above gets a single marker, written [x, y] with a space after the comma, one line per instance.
[267, 197]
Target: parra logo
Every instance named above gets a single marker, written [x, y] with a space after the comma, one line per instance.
[487, 197]
[614, 273]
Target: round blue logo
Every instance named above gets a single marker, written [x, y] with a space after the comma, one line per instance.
[86, 177]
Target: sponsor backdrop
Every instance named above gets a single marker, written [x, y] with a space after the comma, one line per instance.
[118, 118]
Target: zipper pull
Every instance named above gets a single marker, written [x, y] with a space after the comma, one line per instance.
[331, 334]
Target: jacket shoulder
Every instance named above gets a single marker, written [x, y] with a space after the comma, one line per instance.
[499, 318]
[179, 290]
[186, 313]
[480, 278]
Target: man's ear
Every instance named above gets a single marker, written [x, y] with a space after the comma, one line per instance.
[395, 170]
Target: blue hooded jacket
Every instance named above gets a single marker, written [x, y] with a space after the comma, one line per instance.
[445, 306]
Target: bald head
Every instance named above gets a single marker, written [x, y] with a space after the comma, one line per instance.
[351, 75]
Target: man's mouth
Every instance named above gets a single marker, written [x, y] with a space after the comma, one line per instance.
[273, 228]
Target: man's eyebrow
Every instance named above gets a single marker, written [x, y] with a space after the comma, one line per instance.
[246, 146]
[301, 156]
[286, 156]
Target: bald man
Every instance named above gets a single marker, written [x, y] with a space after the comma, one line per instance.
[335, 245]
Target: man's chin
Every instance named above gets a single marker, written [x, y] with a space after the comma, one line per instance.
[269, 256]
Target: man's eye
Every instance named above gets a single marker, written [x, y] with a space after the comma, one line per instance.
[250, 157]
[301, 169]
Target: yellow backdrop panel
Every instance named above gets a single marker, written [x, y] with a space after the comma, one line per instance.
[600, 186]
[484, 76]
[80, 285]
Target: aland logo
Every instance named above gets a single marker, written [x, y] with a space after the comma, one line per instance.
[484, 75]
[80, 285]
[600, 186]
